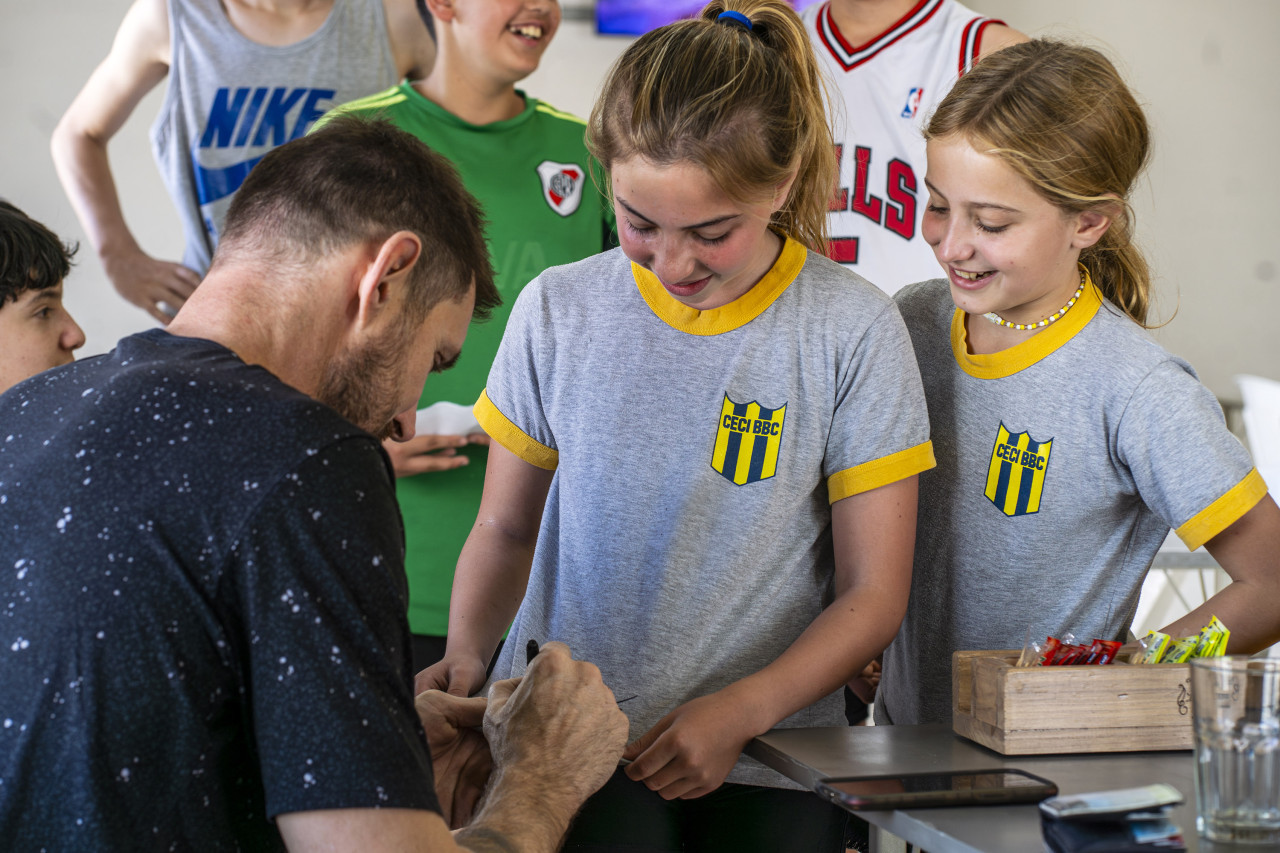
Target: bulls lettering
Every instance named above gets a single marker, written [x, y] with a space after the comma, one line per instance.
[896, 212]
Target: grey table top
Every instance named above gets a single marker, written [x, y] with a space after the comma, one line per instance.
[807, 755]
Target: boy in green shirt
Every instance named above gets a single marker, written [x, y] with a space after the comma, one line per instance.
[527, 164]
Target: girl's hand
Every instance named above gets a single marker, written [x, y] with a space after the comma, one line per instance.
[426, 453]
[864, 685]
[692, 749]
[458, 676]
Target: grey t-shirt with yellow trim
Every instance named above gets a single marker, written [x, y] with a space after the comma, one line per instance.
[686, 540]
[1062, 464]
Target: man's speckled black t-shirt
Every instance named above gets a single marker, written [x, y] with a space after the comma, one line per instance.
[202, 608]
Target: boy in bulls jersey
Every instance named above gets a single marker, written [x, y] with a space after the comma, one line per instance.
[891, 63]
[526, 163]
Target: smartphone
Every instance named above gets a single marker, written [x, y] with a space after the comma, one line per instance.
[933, 790]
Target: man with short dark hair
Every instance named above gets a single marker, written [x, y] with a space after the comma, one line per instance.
[36, 332]
[205, 643]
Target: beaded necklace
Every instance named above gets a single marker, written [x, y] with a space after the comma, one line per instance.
[1000, 321]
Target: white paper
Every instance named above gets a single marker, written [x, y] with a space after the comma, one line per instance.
[446, 418]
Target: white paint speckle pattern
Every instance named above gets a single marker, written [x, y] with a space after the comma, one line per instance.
[203, 620]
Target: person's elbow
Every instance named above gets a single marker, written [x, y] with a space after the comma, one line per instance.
[69, 138]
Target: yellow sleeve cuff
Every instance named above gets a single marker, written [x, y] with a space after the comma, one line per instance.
[510, 436]
[880, 472]
[1224, 512]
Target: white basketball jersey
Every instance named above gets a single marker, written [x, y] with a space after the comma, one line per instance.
[885, 91]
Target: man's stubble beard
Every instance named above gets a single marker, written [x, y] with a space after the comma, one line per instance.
[361, 383]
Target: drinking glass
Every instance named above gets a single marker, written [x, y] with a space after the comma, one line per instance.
[1236, 706]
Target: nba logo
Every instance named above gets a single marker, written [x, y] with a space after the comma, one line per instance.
[913, 102]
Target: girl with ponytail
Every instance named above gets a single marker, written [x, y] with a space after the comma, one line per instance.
[1069, 442]
[705, 446]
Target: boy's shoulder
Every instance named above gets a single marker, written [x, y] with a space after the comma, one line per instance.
[547, 112]
[377, 102]
[565, 281]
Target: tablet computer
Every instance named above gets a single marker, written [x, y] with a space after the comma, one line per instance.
[933, 790]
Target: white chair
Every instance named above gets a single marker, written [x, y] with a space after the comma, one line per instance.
[1261, 415]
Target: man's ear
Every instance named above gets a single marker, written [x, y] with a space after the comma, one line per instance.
[384, 283]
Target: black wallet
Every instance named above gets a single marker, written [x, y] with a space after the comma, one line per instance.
[1133, 820]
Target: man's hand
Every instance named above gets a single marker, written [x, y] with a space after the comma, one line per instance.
[558, 729]
[147, 283]
[425, 453]
[460, 757]
[692, 749]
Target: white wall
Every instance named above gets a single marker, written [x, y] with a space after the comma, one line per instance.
[1208, 214]
[47, 51]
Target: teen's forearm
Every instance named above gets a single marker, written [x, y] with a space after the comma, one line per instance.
[851, 632]
[488, 586]
[1250, 611]
[874, 537]
[1249, 552]
[85, 173]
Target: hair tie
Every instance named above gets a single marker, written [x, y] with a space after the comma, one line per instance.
[735, 19]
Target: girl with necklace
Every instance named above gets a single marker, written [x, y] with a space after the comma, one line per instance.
[1068, 441]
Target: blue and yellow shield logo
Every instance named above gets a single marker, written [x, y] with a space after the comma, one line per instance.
[747, 441]
[1015, 479]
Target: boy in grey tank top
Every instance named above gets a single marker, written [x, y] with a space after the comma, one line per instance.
[242, 80]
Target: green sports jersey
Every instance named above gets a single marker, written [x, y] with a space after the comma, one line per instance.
[531, 177]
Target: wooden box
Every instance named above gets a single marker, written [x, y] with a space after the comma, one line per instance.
[1119, 707]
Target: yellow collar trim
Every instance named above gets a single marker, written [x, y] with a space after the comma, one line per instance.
[1041, 345]
[726, 318]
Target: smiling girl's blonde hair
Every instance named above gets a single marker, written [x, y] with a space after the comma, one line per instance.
[1061, 116]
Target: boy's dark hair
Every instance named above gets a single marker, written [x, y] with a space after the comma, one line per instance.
[355, 181]
[31, 256]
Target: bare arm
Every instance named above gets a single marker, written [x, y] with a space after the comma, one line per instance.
[493, 570]
[411, 44]
[874, 544]
[997, 36]
[138, 61]
[692, 749]
[1249, 552]
[365, 829]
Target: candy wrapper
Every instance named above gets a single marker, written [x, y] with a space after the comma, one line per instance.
[1036, 653]
[1154, 645]
[1065, 651]
[1211, 642]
